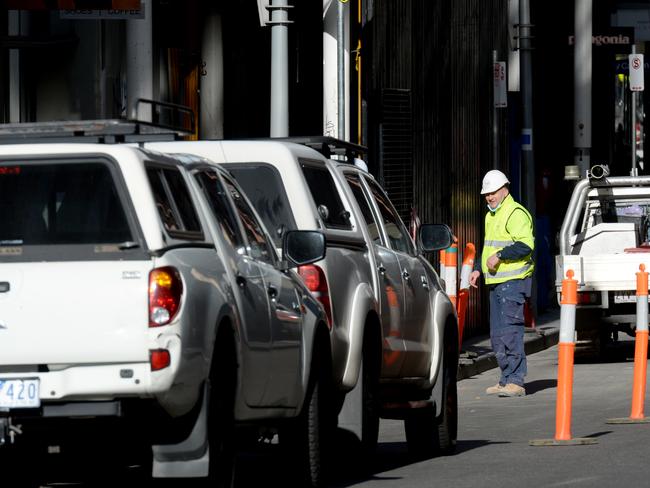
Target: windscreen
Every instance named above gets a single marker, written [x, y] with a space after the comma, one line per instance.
[59, 203]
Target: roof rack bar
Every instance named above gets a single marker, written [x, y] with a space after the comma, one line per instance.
[108, 131]
[327, 146]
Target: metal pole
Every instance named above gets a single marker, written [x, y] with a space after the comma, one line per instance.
[495, 128]
[211, 109]
[528, 161]
[340, 79]
[15, 28]
[634, 171]
[279, 68]
[139, 64]
[582, 73]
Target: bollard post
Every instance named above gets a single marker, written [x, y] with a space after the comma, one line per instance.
[566, 349]
[451, 270]
[640, 353]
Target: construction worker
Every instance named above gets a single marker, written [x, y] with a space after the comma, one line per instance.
[507, 266]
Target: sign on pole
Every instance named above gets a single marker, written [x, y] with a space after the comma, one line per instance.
[500, 85]
[636, 72]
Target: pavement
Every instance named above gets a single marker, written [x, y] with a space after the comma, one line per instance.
[476, 353]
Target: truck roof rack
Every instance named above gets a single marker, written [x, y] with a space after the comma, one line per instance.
[108, 131]
[328, 146]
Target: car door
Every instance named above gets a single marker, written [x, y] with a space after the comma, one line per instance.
[391, 288]
[415, 330]
[286, 315]
[249, 289]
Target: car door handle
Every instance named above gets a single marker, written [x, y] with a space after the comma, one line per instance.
[273, 292]
[406, 275]
[425, 283]
[381, 269]
[4, 286]
[241, 281]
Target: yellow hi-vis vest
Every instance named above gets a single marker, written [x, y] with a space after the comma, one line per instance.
[497, 237]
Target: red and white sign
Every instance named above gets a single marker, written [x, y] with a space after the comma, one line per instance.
[500, 85]
[636, 72]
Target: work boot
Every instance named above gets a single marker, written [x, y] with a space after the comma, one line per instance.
[512, 390]
[493, 390]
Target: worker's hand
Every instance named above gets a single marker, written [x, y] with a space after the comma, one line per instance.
[493, 262]
[473, 278]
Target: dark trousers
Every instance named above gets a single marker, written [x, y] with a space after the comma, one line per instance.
[507, 328]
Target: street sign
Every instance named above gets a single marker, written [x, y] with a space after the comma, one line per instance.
[636, 72]
[500, 86]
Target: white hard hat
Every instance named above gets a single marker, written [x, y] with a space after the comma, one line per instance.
[493, 180]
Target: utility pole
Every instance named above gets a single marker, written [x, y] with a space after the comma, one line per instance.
[582, 85]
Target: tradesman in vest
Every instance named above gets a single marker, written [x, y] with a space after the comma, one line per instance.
[507, 267]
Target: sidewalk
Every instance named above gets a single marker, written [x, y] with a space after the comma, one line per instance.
[476, 353]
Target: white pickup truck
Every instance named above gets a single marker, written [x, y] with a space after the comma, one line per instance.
[604, 238]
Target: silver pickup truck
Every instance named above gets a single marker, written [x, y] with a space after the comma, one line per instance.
[604, 238]
[143, 305]
[393, 329]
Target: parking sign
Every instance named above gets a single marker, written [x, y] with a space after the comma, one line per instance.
[636, 72]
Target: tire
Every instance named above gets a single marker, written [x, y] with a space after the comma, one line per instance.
[221, 415]
[369, 401]
[427, 435]
[309, 438]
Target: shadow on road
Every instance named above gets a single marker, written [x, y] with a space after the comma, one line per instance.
[533, 387]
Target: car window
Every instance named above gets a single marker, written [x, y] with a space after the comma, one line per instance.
[258, 245]
[326, 196]
[395, 230]
[60, 203]
[263, 186]
[173, 202]
[221, 207]
[355, 185]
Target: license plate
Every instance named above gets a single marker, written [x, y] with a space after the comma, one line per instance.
[626, 297]
[19, 393]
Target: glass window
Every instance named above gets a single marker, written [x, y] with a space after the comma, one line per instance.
[258, 245]
[173, 201]
[397, 235]
[263, 186]
[60, 203]
[355, 185]
[326, 196]
[220, 206]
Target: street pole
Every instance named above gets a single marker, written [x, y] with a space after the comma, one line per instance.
[139, 64]
[279, 68]
[527, 159]
[495, 128]
[582, 73]
[527, 139]
[340, 76]
[634, 171]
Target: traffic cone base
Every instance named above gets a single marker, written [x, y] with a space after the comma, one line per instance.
[628, 420]
[576, 441]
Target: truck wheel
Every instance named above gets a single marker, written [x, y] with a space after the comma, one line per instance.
[221, 415]
[427, 435]
[309, 438]
[369, 401]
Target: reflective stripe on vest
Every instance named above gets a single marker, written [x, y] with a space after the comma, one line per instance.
[497, 237]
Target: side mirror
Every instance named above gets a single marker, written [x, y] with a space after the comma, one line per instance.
[434, 237]
[301, 247]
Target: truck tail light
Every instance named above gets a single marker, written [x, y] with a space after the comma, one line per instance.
[588, 298]
[159, 359]
[314, 278]
[165, 292]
